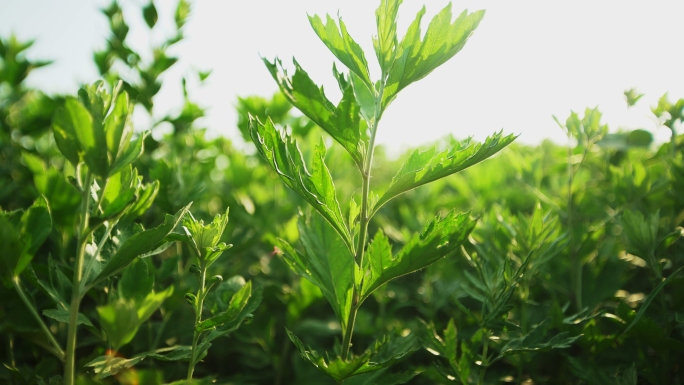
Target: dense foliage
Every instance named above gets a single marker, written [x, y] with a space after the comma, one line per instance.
[126, 259]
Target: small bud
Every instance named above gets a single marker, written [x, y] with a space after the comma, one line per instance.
[191, 298]
[194, 269]
[216, 279]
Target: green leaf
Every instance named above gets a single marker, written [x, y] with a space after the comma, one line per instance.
[533, 342]
[119, 192]
[151, 303]
[641, 233]
[343, 122]
[119, 320]
[62, 315]
[423, 167]
[342, 45]
[12, 247]
[415, 58]
[326, 262]
[130, 153]
[438, 238]
[136, 282]
[382, 354]
[237, 303]
[139, 244]
[75, 129]
[150, 14]
[386, 41]
[650, 299]
[204, 238]
[146, 195]
[316, 187]
[118, 128]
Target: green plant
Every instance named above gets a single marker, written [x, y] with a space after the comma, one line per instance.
[339, 256]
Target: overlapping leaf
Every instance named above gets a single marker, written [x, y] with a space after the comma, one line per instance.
[343, 122]
[438, 238]
[237, 303]
[316, 187]
[423, 167]
[415, 58]
[342, 45]
[326, 262]
[386, 40]
[382, 354]
[533, 342]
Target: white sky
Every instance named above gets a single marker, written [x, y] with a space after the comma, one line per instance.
[527, 60]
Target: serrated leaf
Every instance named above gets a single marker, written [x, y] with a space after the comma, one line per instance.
[326, 262]
[383, 354]
[415, 58]
[438, 238]
[62, 315]
[129, 154]
[533, 342]
[236, 305]
[343, 122]
[341, 44]
[118, 129]
[316, 187]
[146, 195]
[423, 167]
[386, 40]
[139, 244]
[650, 298]
[118, 192]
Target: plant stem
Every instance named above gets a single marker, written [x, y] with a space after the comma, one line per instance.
[57, 348]
[363, 227]
[576, 265]
[198, 318]
[83, 234]
[485, 361]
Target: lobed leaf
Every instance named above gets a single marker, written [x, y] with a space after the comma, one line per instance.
[342, 45]
[237, 303]
[342, 122]
[316, 187]
[438, 238]
[386, 40]
[414, 58]
[423, 167]
[326, 262]
[533, 342]
[139, 244]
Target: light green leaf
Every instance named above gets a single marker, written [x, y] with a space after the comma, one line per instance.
[151, 303]
[423, 167]
[118, 128]
[386, 41]
[438, 238]
[237, 303]
[74, 124]
[139, 244]
[316, 187]
[119, 320]
[415, 58]
[326, 262]
[119, 191]
[203, 238]
[641, 233]
[146, 195]
[62, 315]
[343, 122]
[131, 152]
[341, 44]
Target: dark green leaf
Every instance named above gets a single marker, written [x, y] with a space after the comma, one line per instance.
[62, 315]
[136, 282]
[533, 342]
[237, 303]
[150, 14]
[139, 244]
[650, 299]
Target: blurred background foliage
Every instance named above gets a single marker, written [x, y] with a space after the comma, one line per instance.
[574, 239]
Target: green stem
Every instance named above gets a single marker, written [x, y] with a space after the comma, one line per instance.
[576, 265]
[83, 233]
[19, 289]
[365, 219]
[198, 318]
[485, 360]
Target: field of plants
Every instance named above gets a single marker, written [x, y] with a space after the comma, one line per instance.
[315, 258]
